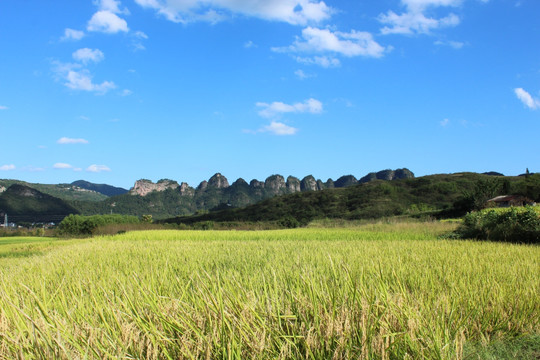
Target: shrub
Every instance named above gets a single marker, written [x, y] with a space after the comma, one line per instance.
[77, 225]
[520, 225]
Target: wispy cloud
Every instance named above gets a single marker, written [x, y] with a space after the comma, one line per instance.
[453, 44]
[71, 34]
[82, 80]
[62, 166]
[76, 77]
[7, 167]
[86, 55]
[415, 21]
[66, 140]
[278, 128]
[276, 108]
[295, 12]
[2, 107]
[444, 122]
[527, 99]
[97, 168]
[326, 45]
[300, 74]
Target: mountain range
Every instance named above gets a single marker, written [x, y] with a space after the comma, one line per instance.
[387, 192]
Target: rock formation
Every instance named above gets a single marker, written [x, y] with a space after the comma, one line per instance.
[293, 184]
[218, 181]
[309, 184]
[143, 187]
[275, 184]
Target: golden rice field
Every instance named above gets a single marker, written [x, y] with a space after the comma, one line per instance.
[379, 291]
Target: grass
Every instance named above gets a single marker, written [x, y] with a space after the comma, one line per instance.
[373, 291]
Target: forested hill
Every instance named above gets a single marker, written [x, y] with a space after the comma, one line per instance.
[435, 195]
[25, 204]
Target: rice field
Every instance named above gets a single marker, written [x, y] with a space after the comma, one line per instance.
[374, 291]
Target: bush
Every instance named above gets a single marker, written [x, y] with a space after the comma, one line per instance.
[521, 225]
[77, 225]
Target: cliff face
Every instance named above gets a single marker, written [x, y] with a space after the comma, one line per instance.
[275, 184]
[143, 187]
[293, 184]
[218, 181]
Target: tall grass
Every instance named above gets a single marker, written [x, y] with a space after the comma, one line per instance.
[378, 291]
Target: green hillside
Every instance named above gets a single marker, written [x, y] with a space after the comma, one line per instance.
[67, 192]
[435, 195]
[23, 203]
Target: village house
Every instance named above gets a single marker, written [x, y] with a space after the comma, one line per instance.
[509, 200]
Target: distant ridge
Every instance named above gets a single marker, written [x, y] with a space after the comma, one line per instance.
[23, 203]
[104, 189]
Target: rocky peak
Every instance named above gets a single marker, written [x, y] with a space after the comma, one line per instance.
[218, 181]
[186, 190]
[275, 184]
[320, 185]
[346, 180]
[293, 184]
[240, 183]
[203, 185]
[388, 175]
[143, 187]
[256, 184]
[330, 184]
[309, 184]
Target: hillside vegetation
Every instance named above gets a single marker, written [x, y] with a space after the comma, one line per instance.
[62, 191]
[25, 204]
[435, 195]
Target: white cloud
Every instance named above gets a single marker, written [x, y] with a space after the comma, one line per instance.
[126, 92]
[66, 140]
[7, 167]
[82, 80]
[97, 168]
[249, 44]
[107, 22]
[527, 99]
[415, 21]
[71, 34]
[86, 55]
[444, 122]
[276, 108]
[353, 43]
[62, 166]
[296, 12]
[278, 128]
[2, 107]
[111, 6]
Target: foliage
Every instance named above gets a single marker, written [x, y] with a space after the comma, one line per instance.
[76, 225]
[504, 224]
[378, 291]
[23, 203]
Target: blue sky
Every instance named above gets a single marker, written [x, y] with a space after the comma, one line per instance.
[112, 91]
